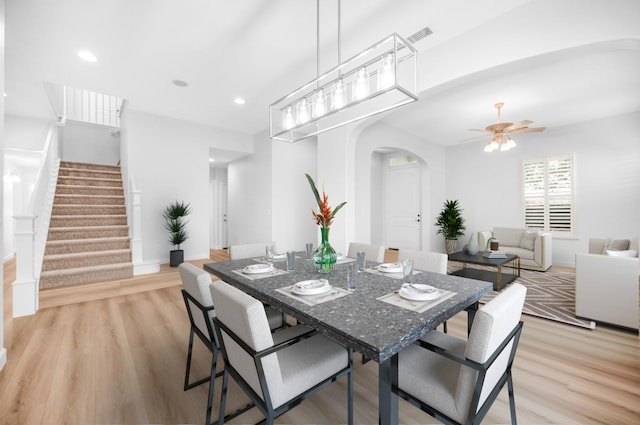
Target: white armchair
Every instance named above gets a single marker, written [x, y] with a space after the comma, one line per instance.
[607, 285]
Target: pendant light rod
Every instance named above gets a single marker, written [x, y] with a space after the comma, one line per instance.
[339, 56]
[317, 39]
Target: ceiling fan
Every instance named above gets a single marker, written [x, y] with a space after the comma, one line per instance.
[502, 132]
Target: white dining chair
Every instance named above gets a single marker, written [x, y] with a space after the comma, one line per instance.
[435, 262]
[239, 252]
[200, 309]
[371, 252]
[275, 374]
[424, 260]
[457, 381]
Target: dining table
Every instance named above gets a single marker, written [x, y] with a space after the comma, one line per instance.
[375, 319]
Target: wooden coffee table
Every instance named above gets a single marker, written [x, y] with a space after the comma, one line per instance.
[498, 279]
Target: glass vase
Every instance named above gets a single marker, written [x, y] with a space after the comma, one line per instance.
[325, 256]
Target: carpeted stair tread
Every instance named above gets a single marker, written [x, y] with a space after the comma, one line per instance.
[58, 221]
[75, 209]
[87, 165]
[70, 189]
[80, 275]
[89, 181]
[62, 199]
[86, 245]
[85, 259]
[87, 232]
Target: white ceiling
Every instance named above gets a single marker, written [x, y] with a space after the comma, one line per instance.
[261, 50]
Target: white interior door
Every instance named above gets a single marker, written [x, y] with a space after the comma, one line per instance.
[404, 220]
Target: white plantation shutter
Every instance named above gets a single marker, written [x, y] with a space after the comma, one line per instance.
[548, 194]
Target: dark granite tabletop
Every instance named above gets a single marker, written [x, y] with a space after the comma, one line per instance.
[358, 320]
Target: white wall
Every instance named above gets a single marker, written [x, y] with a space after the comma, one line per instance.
[293, 200]
[25, 133]
[90, 143]
[169, 160]
[607, 155]
[250, 194]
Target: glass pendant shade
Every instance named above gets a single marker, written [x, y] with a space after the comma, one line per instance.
[361, 84]
[386, 73]
[378, 79]
[319, 105]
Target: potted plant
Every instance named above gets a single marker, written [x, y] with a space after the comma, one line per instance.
[174, 222]
[450, 224]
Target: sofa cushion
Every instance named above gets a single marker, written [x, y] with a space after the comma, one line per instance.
[508, 236]
[528, 239]
[615, 245]
[520, 252]
[632, 253]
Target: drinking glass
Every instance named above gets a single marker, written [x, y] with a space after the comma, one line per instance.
[270, 250]
[309, 248]
[407, 271]
[361, 260]
[291, 259]
[352, 276]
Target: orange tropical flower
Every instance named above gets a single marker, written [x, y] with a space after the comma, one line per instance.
[324, 217]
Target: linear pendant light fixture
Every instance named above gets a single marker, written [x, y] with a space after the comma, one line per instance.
[378, 79]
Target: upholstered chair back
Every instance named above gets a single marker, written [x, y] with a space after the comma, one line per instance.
[371, 252]
[491, 325]
[239, 252]
[435, 262]
[196, 282]
[245, 317]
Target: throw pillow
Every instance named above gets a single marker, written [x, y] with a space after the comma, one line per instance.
[615, 245]
[632, 253]
[528, 239]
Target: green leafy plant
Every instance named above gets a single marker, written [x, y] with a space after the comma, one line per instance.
[450, 222]
[174, 222]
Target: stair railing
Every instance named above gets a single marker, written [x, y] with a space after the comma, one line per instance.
[31, 229]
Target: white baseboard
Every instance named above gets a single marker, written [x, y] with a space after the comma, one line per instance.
[146, 268]
[25, 298]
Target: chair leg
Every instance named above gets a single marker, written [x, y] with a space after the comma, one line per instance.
[189, 351]
[444, 326]
[512, 401]
[212, 382]
[223, 397]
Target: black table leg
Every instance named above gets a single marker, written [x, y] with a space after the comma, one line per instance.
[387, 399]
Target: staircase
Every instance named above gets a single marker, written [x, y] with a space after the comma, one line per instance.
[88, 239]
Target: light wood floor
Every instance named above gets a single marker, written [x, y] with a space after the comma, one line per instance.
[121, 359]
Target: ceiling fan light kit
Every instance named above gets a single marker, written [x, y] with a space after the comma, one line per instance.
[501, 132]
[380, 78]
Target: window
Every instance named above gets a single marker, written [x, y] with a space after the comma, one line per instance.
[548, 194]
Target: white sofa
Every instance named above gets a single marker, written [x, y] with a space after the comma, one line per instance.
[607, 285]
[533, 247]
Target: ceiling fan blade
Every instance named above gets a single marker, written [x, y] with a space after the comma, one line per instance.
[527, 130]
[474, 138]
[517, 125]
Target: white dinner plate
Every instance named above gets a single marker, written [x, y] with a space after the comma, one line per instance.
[258, 268]
[390, 268]
[419, 292]
[311, 287]
[340, 256]
[279, 256]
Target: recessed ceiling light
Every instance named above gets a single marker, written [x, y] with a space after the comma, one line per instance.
[4, 94]
[239, 101]
[180, 83]
[88, 56]
[211, 160]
